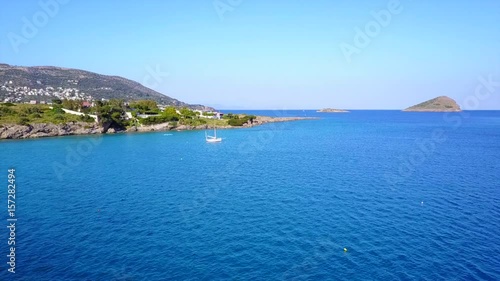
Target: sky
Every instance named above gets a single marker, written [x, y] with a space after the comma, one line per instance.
[261, 54]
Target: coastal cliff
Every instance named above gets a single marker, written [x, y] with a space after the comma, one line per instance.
[39, 130]
[13, 131]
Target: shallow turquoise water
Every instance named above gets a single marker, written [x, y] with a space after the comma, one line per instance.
[412, 196]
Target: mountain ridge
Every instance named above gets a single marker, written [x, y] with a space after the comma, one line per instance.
[44, 83]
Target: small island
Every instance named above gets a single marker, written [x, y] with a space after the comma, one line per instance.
[439, 104]
[332, 110]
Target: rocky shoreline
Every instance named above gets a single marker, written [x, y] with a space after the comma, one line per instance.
[14, 131]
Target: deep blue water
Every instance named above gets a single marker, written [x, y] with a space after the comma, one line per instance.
[412, 196]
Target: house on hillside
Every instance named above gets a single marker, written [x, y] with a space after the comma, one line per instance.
[210, 114]
[147, 115]
[219, 115]
[86, 104]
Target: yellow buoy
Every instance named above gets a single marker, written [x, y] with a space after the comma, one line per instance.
[345, 249]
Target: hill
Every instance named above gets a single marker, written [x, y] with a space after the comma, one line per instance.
[439, 104]
[44, 83]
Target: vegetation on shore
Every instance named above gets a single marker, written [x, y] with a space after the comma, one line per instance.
[113, 114]
[24, 114]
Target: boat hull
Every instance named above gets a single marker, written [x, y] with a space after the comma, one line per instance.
[214, 140]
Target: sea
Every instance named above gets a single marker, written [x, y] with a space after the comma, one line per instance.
[364, 195]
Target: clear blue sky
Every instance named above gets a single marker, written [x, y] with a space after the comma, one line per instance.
[262, 54]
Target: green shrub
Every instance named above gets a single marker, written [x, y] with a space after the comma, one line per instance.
[194, 122]
[86, 118]
[145, 106]
[111, 113]
[59, 117]
[229, 116]
[5, 110]
[236, 122]
[57, 110]
[251, 117]
[29, 109]
[72, 104]
[170, 114]
[23, 121]
[153, 120]
[187, 113]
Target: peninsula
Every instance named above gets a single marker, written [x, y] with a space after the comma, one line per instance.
[70, 117]
[439, 104]
[332, 110]
[39, 130]
[46, 101]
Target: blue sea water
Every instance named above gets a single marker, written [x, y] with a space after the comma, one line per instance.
[411, 196]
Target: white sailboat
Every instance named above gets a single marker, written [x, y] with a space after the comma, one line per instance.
[213, 138]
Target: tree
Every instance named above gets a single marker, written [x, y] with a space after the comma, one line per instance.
[144, 106]
[111, 114]
[251, 117]
[187, 113]
[235, 120]
[72, 104]
[230, 116]
[170, 114]
[57, 109]
[86, 118]
[170, 111]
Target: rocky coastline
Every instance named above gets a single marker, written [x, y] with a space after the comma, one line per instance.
[40, 130]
